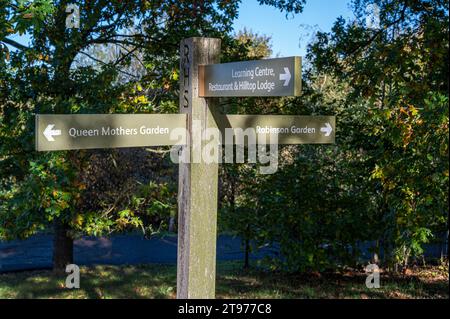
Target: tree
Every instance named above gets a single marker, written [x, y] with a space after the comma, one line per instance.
[386, 179]
[258, 46]
[398, 74]
[38, 189]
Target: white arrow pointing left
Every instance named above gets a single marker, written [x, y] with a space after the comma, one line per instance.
[286, 76]
[49, 132]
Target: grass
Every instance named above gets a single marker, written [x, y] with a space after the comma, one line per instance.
[159, 281]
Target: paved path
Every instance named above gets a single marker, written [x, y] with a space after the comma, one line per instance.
[36, 252]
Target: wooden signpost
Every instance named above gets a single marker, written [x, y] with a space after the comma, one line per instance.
[197, 182]
[202, 80]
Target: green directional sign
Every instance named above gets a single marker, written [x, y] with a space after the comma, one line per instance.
[271, 77]
[87, 131]
[290, 129]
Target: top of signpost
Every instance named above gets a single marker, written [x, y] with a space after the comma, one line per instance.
[270, 77]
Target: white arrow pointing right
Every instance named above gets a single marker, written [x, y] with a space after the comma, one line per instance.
[327, 129]
[286, 76]
[49, 132]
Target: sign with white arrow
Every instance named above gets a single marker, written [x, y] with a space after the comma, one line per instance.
[49, 132]
[271, 77]
[87, 131]
[291, 129]
[327, 129]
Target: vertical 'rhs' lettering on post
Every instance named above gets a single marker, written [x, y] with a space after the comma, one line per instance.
[186, 75]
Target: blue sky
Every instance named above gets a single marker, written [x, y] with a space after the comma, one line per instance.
[291, 35]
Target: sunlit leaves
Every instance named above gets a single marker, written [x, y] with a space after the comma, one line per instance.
[400, 73]
[25, 14]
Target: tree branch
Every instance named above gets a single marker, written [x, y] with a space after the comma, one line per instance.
[123, 57]
[381, 31]
[104, 63]
[15, 44]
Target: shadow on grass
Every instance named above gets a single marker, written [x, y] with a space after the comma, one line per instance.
[254, 284]
[95, 282]
[159, 281]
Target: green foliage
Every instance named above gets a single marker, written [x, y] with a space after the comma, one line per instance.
[386, 179]
[399, 74]
[286, 5]
[30, 15]
[93, 192]
[256, 46]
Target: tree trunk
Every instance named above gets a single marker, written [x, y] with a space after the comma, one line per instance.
[171, 224]
[62, 247]
[375, 257]
[444, 247]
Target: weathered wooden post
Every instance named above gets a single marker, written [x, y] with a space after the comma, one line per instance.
[198, 181]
